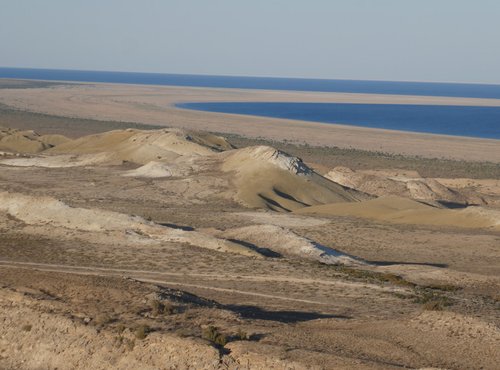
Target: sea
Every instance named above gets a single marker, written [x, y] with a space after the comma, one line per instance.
[473, 121]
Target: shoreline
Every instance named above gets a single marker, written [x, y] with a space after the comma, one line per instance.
[155, 105]
[184, 106]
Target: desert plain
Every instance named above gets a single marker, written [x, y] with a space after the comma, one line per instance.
[136, 235]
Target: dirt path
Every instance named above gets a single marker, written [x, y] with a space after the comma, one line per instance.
[155, 277]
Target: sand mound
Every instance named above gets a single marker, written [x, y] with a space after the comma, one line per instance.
[152, 169]
[54, 140]
[145, 146]
[61, 161]
[52, 213]
[396, 183]
[272, 156]
[15, 141]
[406, 211]
[286, 242]
[268, 178]
[116, 147]
[282, 219]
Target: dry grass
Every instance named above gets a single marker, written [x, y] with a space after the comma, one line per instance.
[212, 334]
[141, 332]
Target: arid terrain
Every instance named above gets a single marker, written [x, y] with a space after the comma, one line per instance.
[135, 235]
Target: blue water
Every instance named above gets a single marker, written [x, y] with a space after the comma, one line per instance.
[481, 122]
[450, 120]
[299, 84]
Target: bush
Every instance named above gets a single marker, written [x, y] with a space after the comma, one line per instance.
[433, 306]
[159, 308]
[242, 335]
[212, 334]
[120, 328]
[26, 327]
[141, 332]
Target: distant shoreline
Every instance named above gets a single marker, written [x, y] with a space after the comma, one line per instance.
[155, 105]
[463, 121]
[443, 89]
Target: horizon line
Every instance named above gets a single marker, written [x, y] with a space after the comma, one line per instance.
[251, 76]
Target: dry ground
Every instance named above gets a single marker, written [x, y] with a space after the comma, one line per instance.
[73, 298]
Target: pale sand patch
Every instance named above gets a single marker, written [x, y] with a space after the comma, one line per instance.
[288, 243]
[52, 213]
[487, 186]
[155, 105]
[152, 170]
[281, 219]
[62, 161]
[406, 211]
[411, 185]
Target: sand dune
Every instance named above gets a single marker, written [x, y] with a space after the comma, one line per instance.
[406, 211]
[144, 146]
[116, 147]
[288, 243]
[16, 141]
[51, 213]
[408, 185]
[268, 178]
[260, 177]
[62, 161]
[153, 169]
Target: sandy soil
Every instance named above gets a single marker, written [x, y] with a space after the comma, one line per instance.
[154, 105]
[174, 249]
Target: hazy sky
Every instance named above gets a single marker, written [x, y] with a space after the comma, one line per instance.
[417, 40]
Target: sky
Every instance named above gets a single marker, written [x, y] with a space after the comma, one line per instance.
[399, 40]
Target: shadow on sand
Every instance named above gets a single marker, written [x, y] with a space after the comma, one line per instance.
[392, 263]
[257, 313]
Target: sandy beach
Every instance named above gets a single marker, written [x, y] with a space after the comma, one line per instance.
[156, 105]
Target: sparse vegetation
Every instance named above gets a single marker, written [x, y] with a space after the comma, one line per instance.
[120, 328]
[102, 320]
[129, 343]
[141, 332]
[372, 276]
[212, 334]
[242, 335]
[159, 308]
[443, 287]
[432, 300]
